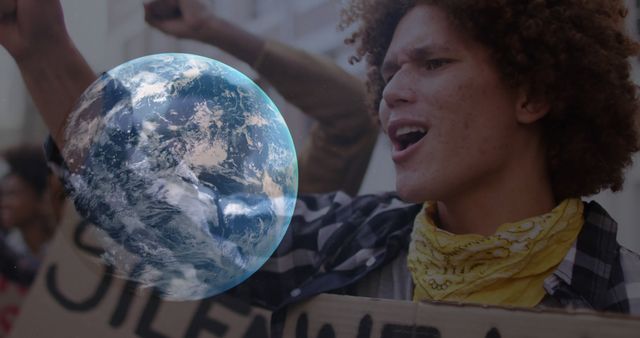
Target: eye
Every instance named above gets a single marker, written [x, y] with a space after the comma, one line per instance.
[433, 64]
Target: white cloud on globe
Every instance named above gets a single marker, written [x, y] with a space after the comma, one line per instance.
[188, 170]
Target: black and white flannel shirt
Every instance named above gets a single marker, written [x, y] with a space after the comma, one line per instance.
[335, 240]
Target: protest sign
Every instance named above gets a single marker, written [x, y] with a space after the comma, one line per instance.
[332, 316]
[74, 298]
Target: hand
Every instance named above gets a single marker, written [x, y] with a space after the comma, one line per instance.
[180, 18]
[197, 20]
[31, 27]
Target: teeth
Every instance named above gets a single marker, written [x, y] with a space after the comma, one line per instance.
[406, 130]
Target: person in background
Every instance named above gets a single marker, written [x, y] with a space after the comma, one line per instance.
[26, 204]
[30, 206]
[27, 210]
[338, 150]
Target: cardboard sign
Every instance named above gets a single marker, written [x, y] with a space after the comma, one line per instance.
[74, 298]
[11, 297]
[331, 316]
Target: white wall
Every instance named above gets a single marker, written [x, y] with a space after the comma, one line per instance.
[11, 109]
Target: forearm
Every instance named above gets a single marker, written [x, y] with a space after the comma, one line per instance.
[231, 38]
[344, 135]
[320, 88]
[55, 81]
[298, 75]
[343, 165]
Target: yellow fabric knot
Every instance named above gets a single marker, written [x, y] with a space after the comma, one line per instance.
[506, 268]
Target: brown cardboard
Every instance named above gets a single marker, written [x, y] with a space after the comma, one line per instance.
[332, 316]
[72, 297]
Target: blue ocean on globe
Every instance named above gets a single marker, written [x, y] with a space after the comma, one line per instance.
[187, 169]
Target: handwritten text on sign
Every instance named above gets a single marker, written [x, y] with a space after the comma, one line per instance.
[332, 316]
[70, 300]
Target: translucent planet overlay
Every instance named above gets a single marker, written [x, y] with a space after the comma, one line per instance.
[188, 170]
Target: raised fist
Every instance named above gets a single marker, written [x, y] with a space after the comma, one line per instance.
[180, 18]
[31, 27]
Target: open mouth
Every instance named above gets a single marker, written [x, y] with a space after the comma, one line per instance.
[405, 137]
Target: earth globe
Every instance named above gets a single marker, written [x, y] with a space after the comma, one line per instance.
[187, 169]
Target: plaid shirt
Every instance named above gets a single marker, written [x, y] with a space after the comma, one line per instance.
[335, 240]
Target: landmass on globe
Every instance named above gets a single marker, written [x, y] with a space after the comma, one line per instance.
[188, 170]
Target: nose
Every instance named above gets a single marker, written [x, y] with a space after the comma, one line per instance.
[399, 90]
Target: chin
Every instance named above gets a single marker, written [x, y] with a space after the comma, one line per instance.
[423, 186]
[412, 192]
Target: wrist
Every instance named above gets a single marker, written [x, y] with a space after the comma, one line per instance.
[232, 39]
[206, 30]
[45, 54]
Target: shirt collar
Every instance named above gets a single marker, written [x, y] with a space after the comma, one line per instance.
[587, 266]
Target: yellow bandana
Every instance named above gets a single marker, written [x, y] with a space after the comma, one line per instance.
[507, 268]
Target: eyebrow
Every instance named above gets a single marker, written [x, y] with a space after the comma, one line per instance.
[416, 53]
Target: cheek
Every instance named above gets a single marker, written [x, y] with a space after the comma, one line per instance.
[9, 202]
[21, 201]
[474, 117]
[457, 112]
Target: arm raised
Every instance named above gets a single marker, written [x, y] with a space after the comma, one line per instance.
[338, 151]
[56, 74]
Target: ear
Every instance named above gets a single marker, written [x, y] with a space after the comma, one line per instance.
[529, 109]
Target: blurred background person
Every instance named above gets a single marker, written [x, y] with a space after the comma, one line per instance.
[31, 200]
[26, 205]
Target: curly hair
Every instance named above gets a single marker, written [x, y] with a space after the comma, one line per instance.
[572, 53]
